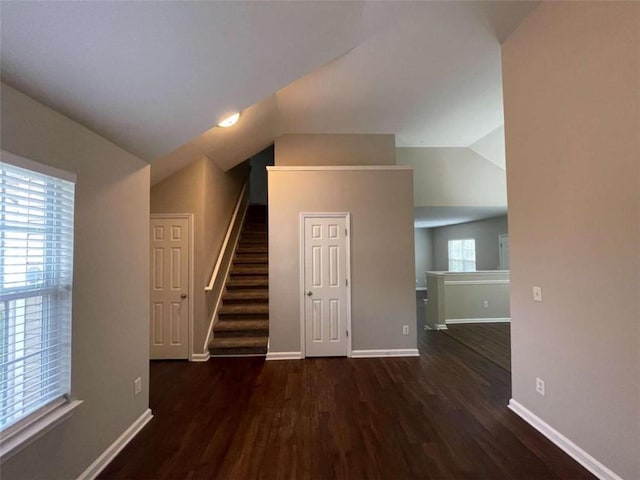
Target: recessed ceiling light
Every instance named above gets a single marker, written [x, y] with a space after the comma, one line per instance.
[230, 121]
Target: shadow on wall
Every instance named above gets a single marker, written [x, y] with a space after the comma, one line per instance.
[258, 194]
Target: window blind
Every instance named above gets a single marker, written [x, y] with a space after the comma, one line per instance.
[462, 255]
[36, 270]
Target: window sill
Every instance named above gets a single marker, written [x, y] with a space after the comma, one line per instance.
[29, 434]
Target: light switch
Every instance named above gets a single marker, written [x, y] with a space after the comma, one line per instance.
[537, 294]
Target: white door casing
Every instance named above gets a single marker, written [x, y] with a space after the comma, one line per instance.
[170, 313]
[325, 285]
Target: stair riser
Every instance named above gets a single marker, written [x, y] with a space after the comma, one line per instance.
[247, 300]
[255, 272]
[238, 351]
[251, 260]
[241, 333]
[237, 288]
[242, 249]
[242, 316]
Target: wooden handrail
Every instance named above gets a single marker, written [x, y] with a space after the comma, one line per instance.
[223, 248]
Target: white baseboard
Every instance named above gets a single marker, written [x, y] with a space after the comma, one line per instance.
[396, 352]
[453, 321]
[200, 357]
[441, 327]
[570, 448]
[116, 447]
[284, 355]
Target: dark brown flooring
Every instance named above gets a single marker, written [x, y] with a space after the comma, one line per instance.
[442, 415]
[491, 340]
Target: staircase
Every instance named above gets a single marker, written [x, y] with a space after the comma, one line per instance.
[242, 327]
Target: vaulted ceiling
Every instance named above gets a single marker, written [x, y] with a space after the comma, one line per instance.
[156, 77]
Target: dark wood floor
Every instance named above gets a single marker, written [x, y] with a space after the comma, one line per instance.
[491, 340]
[439, 416]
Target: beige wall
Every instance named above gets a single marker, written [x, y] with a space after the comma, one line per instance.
[484, 232]
[423, 240]
[571, 75]
[203, 189]
[382, 252]
[454, 177]
[111, 285]
[335, 149]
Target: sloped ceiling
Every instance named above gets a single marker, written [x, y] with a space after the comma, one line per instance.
[155, 77]
[492, 147]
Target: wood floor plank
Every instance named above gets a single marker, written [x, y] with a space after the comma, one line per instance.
[491, 340]
[442, 415]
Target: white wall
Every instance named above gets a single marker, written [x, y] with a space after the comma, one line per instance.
[484, 232]
[454, 177]
[571, 75]
[423, 240]
[335, 149]
[382, 263]
[111, 285]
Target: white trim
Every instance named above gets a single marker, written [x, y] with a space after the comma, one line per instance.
[475, 282]
[227, 236]
[116, 447]
[36, 429]
[441, 327]
[570, 448]
[200, 357]
[421, 289]
[330, 168]
[393, 352]
[236, 355]
[451, 321]
[214, 314]
[22, 162]
[190, 223]
[347, 221]
[284, 355]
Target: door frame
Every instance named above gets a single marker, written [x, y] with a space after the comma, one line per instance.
[190, 263]
[347, 218]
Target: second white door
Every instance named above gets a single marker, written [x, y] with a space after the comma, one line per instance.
[325, 285]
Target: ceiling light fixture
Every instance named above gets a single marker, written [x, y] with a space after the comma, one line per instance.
[230, 121]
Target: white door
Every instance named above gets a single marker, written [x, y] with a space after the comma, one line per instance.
[504, 251]
[325, 285]
[169, 327]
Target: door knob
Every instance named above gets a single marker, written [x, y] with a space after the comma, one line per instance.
[309, 293]
[184, 295]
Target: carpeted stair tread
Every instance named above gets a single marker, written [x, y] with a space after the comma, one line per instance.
[239, 346]
[241, 328]
[251, 258]
[249, 270]
[243, 282]
[244, 309]
[252, 248]
[247, 295]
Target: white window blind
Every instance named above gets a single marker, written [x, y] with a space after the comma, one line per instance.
[36, 269]
[462, 255]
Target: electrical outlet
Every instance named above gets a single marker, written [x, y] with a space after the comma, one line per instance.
[537, 294]
[405, 329]
[486, 304]
[137, 386]
[540, 386]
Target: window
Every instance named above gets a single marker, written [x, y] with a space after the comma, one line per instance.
[462, 255]
[36, 269]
